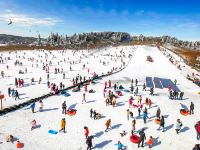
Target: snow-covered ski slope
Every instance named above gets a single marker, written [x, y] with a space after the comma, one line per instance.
[18, 123]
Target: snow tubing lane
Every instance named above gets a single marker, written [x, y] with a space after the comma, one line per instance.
[184, 112]
[71, 112]
[135, 138]
[157, 121]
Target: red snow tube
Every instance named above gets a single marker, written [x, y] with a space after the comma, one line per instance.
[71, 112]
[134, 138]
[157, 121]
[134, 105]
[19, 145]
[119, 93]
[184, 112]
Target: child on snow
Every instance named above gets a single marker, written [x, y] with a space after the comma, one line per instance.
[86, 132]
[120, 146]
[33, 124]
[150, 142]
[108, 124]
[178, 126]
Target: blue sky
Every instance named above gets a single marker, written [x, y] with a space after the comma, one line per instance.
[178, 18]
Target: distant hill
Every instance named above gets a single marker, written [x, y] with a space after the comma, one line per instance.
[12, 39]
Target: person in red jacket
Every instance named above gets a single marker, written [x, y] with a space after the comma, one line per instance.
[86, 131]
[197, 127]
[169, 88]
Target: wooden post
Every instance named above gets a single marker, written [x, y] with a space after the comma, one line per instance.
[1, 98]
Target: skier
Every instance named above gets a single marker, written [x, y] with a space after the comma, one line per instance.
[108, 124]
[142, 138]
[33, 107]
[33, 123]
[191, 108]
[162, 123]
[63, 124]
[197, 127]
[89, 142]
[64, 107]
[86, 131]
[178, 126]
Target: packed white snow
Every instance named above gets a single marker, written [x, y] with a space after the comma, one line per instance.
[18, 123]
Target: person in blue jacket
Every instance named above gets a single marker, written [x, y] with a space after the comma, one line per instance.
[145, 117]
[120, 146]
[33, 107]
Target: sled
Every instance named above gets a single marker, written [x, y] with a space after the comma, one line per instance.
[121, 87]
[19, 145]
[135, 138]
[157, 121]
[52, 132]
[119, 93]
[91, 91]
[134, 105]
[75, 90]
[64, 93]
[71, 112]
[184, 112]
[126, 91]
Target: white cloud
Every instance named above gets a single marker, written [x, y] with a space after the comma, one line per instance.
[26, 20]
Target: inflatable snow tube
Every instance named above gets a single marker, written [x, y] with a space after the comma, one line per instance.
[135, 138]
[157, 121]
[119, 93]
[127, 91]
[64, 93]
[184, 112]
[52, 132]
[19, 145]
[91, 91]
[71, 112]
[75, 90]
[134, 105]
[121, 87]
